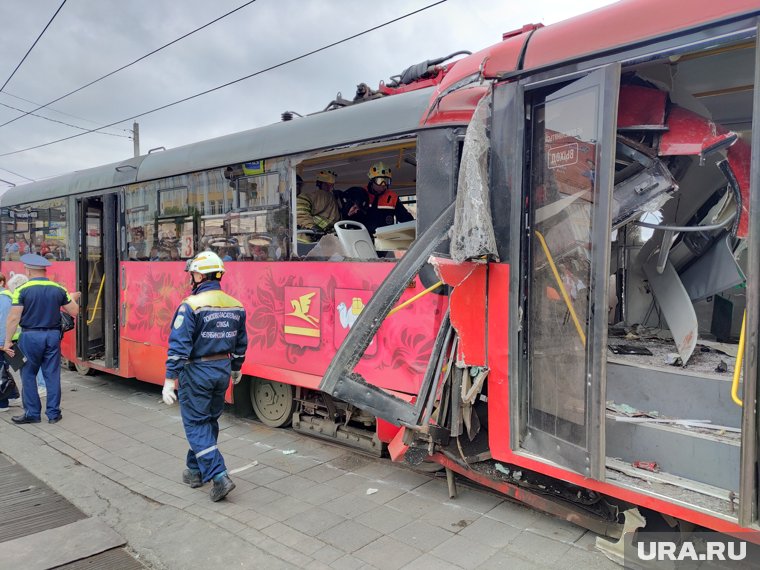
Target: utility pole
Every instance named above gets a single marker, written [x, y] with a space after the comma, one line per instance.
[136, 137]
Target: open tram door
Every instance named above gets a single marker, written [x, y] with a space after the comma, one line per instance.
[560, 257]
[97, 279]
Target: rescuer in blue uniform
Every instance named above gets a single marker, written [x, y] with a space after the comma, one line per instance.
[37, 307]
[206, 349]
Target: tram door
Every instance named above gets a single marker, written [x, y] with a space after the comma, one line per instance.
[97, 277]
[570, 142]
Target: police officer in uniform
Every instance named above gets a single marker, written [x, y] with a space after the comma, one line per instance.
[207, 347]
[37, 307]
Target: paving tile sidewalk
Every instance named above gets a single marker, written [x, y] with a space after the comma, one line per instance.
[119, 452]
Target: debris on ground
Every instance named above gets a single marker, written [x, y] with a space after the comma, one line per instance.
[647, 466]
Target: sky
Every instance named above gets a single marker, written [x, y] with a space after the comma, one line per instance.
[90, 38]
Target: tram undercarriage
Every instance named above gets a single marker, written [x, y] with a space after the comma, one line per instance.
[319, 415]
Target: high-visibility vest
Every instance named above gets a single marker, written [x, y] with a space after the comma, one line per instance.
[10, 296]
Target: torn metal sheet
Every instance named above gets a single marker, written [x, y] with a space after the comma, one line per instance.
[715, 271]
[615, 551]
[690, 134]
[467, 306]
[686, 133]
[646, 191]
[675, 304]
[739, 159]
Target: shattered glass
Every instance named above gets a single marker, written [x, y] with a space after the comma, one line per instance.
[472, 233]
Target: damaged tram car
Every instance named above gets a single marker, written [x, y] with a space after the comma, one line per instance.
[571, 318]
[598, 355]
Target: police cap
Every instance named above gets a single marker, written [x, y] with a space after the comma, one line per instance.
[34, 261]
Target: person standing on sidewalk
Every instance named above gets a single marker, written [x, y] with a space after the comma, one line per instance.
[37, 307]
[13, 283]
[8, 388]
[207, 346]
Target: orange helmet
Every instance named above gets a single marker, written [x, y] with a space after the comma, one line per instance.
[326, 176]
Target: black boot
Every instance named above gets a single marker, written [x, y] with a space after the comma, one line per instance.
[192, 478]
[222, 486]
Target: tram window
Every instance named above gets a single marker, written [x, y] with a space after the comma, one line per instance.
[36, 228]
[140, 208]
[390, 222]
[174, 225]
[254, 224]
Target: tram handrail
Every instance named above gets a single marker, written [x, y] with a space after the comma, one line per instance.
[97, 301]
[413, 299]
[561, 286]
[738, 367]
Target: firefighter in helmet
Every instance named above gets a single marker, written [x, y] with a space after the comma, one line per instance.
[318, 210]
[384, 208]
[207, 346]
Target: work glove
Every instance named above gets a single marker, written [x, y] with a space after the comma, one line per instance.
[168, 392]
[236, 376]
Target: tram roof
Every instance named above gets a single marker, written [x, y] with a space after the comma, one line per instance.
[386, 117]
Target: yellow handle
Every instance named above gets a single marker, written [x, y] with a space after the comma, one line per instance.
[738, 366]
[97, 301]
[413, 299]
[561, 286]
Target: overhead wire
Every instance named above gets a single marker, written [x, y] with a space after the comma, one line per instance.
[32, 47]
[207, 91]
[63, 122]
[123, 67]
[9, 94]
[25, 100]
[17, 174]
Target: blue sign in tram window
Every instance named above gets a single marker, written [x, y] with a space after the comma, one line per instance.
[253, 167]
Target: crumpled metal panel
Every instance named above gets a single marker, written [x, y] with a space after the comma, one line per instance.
[646, 191]
[467, 305]
[686, 135]
[713, 272]
[675, 304]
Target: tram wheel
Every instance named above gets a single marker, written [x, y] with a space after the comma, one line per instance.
[83, 369]
[273, 402]
[427, 467]
[66, 364]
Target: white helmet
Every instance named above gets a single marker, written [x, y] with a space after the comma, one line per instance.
[207, 263]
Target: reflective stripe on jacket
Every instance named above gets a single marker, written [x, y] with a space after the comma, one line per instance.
[209, 323]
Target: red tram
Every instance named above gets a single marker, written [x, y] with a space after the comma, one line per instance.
[587, 191]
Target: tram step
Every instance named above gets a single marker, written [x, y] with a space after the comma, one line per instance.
[706, 456]
[673, 392]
